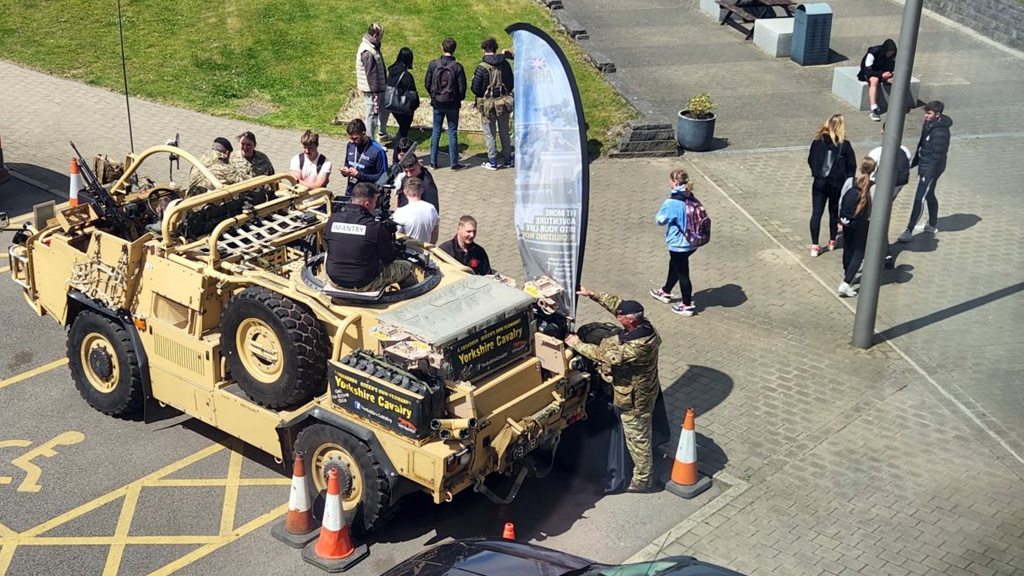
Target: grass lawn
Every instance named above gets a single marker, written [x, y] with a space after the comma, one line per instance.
[293, 59]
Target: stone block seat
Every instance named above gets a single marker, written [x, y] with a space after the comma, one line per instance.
[774, 36]
[846, 86]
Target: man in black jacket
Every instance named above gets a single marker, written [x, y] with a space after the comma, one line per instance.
[464, 248]
[360, 253]
[365, 160]
[446, 83]
[413, 169]
[876, 68]
[930, 160]
[492, 85]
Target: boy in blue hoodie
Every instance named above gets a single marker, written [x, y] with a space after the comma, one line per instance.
[672, 215]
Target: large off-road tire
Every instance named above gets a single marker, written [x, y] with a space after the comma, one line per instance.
[365, 494]
[275, 348]
[105, 365]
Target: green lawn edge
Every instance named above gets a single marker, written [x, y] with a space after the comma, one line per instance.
[293, 59]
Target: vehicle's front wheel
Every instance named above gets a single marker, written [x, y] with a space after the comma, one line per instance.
[105, 365]
[365, 496]
[275, 348]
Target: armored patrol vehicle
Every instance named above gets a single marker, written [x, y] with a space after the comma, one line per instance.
[216, 305]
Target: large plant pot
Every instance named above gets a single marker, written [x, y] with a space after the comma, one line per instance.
[693, 134]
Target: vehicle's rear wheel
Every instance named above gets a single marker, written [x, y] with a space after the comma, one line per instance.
[275, 348]
[365, 495]
[105, 365]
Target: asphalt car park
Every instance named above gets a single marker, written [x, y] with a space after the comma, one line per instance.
[83, 493]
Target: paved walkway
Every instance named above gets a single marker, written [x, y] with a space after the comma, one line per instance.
[854, 462]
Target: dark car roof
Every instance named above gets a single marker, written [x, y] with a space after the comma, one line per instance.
[489, 558]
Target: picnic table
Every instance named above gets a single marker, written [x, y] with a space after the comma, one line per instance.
[751, 10]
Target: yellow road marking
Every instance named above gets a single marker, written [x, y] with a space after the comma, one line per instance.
[5, 269]
[114, 540]
[90, 506]
[204, 482]
[227, 515]
[28, 216]
[33, 372]
[235, 535]
[45, 450]
[124, 523]
[6, 554]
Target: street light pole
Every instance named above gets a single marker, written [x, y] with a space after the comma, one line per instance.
[885, 184]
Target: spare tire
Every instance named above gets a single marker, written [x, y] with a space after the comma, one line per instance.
[275, 348]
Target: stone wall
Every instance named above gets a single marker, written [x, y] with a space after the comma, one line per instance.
[1000, 20]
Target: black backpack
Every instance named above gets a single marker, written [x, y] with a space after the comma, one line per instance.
[902, 169]
[444, 86]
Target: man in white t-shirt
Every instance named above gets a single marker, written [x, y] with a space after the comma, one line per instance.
[311, 168]
[417, 219]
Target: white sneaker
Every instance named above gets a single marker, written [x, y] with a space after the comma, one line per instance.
[929, 229]
[685, 309]
[875, 117]
[907, 236]
[815, 251]
[846, 291]
[658, 294]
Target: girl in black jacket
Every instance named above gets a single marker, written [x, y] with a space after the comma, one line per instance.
[855, 214]
[400, 77]
[832, 160]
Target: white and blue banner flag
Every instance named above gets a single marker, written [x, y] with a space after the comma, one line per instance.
[552, 179]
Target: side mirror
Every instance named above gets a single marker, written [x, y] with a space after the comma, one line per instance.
[5, 220]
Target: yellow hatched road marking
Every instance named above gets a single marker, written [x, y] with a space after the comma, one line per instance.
[227, 515]
[5, 269]
[10, 540]
[33, 372]
[124, 523]
[235, 535]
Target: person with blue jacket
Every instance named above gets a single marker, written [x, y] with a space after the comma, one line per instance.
[672, 215]
[365, 160]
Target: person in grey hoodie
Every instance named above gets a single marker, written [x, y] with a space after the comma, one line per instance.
[492, 83]
[930, 160]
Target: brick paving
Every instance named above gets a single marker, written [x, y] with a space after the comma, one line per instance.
[856, 463]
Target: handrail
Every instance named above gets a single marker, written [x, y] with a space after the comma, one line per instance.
[122, 182]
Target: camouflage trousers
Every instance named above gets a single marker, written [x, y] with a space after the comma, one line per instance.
[398, 272]
[636, 425]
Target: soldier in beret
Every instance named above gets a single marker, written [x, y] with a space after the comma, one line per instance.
[217, 160]
[629, 362]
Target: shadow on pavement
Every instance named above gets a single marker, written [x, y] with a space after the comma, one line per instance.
[835, 57]
[899, 275]
[940, 315]
[956, 222]
[727, 296]
[45, 175]
[922, 242]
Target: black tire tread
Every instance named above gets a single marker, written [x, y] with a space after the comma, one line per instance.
[130, 400]
[305, 333]
[365, 518]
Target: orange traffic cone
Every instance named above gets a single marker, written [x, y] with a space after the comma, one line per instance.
[299, 527]
[685, 481]
[76, 183]
[334, 550]
[510, 531]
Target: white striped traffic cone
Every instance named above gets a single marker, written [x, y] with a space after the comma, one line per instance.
[685, 481]
[76, 184]
[299, 527]
[334, 550]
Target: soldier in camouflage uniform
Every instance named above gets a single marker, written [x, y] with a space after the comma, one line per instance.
[217, 160]
[251, 161]
[629, 362]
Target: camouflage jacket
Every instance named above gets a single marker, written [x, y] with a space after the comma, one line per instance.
[258, 165]
[629, 361]
[221, 169]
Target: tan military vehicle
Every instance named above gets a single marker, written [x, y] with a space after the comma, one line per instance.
[215, 305]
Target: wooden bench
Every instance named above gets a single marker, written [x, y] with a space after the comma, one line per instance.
[749, 11]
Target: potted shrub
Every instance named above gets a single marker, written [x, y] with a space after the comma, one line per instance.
[695, 127]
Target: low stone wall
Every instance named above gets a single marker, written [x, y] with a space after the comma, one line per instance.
[1000, 20]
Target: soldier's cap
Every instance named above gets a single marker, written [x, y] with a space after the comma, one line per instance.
[222, 144]
[630, 307]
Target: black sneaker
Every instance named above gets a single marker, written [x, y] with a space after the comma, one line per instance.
[511, 163]
[457, 166]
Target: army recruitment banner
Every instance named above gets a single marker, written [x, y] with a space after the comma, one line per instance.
[552, 179]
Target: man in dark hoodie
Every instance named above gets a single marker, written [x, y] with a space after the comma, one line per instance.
[930, 160]
[446, 83]
[371, 79]
[492, 85]
[876, 68]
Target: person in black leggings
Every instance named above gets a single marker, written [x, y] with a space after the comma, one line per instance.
[672, 215]
[400, 77]
[855, 214]
[832, 160]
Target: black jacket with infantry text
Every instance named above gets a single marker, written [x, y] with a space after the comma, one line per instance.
[357, 247]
